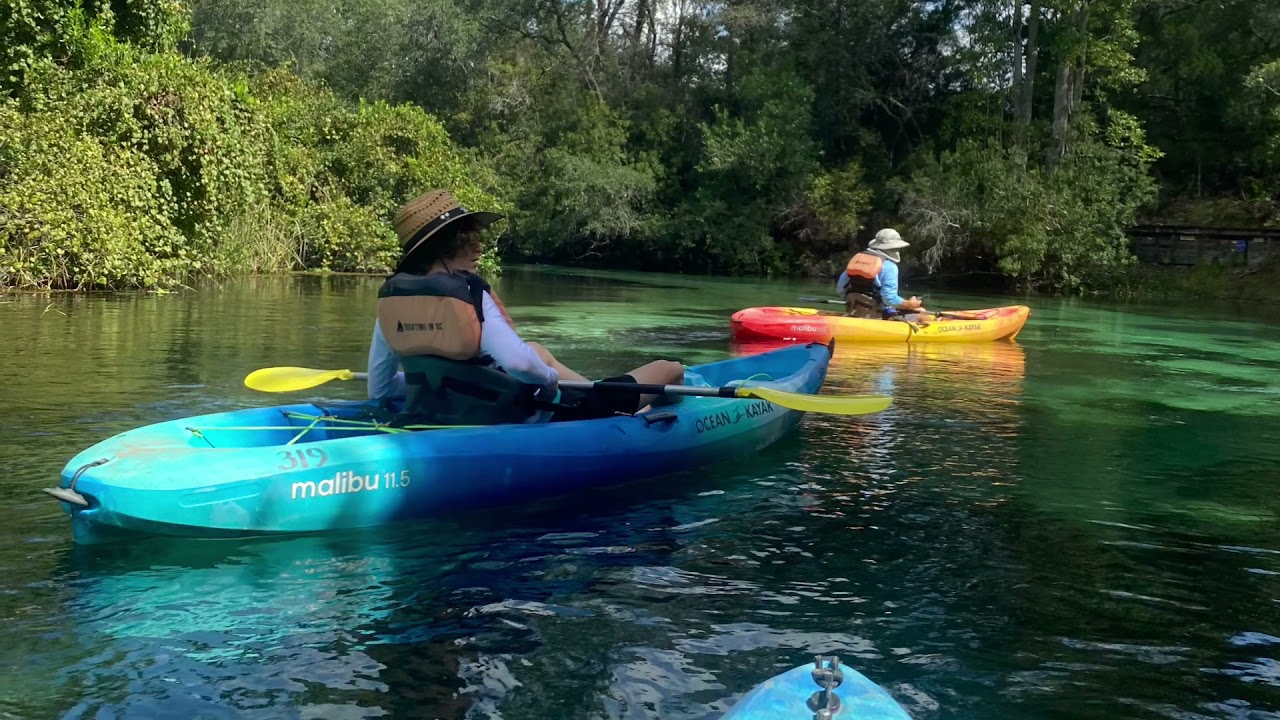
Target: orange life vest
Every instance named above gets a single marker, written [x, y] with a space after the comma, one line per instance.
[863, 269]
[865, 266]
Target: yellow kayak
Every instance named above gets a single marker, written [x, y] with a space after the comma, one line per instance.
[809, 325]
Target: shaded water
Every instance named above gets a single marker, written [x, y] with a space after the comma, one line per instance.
[1081, 525]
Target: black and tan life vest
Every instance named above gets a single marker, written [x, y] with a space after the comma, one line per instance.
[434, 323]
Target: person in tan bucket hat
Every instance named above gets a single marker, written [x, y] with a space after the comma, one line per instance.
[464, 363]
[869, 284]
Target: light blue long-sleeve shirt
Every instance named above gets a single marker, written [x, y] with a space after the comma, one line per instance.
[886, 282]
[497, 340]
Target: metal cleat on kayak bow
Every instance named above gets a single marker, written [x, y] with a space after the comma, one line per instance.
[825, 703]
[782, 695]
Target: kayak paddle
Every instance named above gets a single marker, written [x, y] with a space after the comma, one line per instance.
[953, 314]
[830, 404]
[288, 379]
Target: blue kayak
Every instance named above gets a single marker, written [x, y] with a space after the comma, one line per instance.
[813, 691]
[321, 466]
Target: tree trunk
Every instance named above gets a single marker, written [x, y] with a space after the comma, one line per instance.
[730, 55]
[1078, 89]
[677, 46]
[606, 13]
[1031, 52]
[642, 8]
[1015, 90]
[1069, 89]
[600, 36]
[1062, 96]
[653, 39]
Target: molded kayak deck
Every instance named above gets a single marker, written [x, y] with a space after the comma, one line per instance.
[786, 696]
[314, 466]
[810, 325]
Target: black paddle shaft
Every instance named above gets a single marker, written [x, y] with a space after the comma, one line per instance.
[644, 389]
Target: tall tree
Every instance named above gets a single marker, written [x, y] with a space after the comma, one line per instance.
[1199, 55]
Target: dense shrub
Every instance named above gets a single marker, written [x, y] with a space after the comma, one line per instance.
[1061, 230]
[128, 167]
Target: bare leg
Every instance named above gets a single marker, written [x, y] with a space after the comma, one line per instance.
[561, 369]
[658, 372]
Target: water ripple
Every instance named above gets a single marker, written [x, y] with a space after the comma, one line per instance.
[1076, 526]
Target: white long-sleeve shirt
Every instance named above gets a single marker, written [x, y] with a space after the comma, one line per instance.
[498, 340]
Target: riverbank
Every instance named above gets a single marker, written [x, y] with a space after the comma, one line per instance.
[1140, 281]
[1143, 282]
[1204, 282]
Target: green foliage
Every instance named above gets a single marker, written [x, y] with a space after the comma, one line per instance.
[1267, 77]
[1062, 230]
[188, 156]
[577, 190]
[393, 152]
[585, 202]
[754, 136]
[1108, 42]
[1203, 102]
[205, 144]
[823, 226]
[387, 49]
[76, 212]
[748, 137]
[755, 165]
[31, 30]
[1264, 82]
[838, 199]
[135, 168]
[355, 48]
[342, 235]
[377, 154]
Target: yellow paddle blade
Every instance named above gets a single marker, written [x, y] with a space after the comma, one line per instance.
[288, 379]
[829, 404]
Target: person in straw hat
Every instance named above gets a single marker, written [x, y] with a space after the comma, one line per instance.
[869, 284]
[464, 363]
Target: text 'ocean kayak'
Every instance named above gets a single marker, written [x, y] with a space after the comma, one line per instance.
[822, 689]
[810, 325]
[310, 467]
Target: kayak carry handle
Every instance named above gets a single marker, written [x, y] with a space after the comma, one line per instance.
[68, 494]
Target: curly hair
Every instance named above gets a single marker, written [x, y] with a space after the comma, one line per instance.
[450, 243]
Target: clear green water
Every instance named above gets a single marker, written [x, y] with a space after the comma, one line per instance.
[1082, 525]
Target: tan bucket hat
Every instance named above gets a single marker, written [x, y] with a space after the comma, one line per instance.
[431, 212]
[888, 242]
[888, 239]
